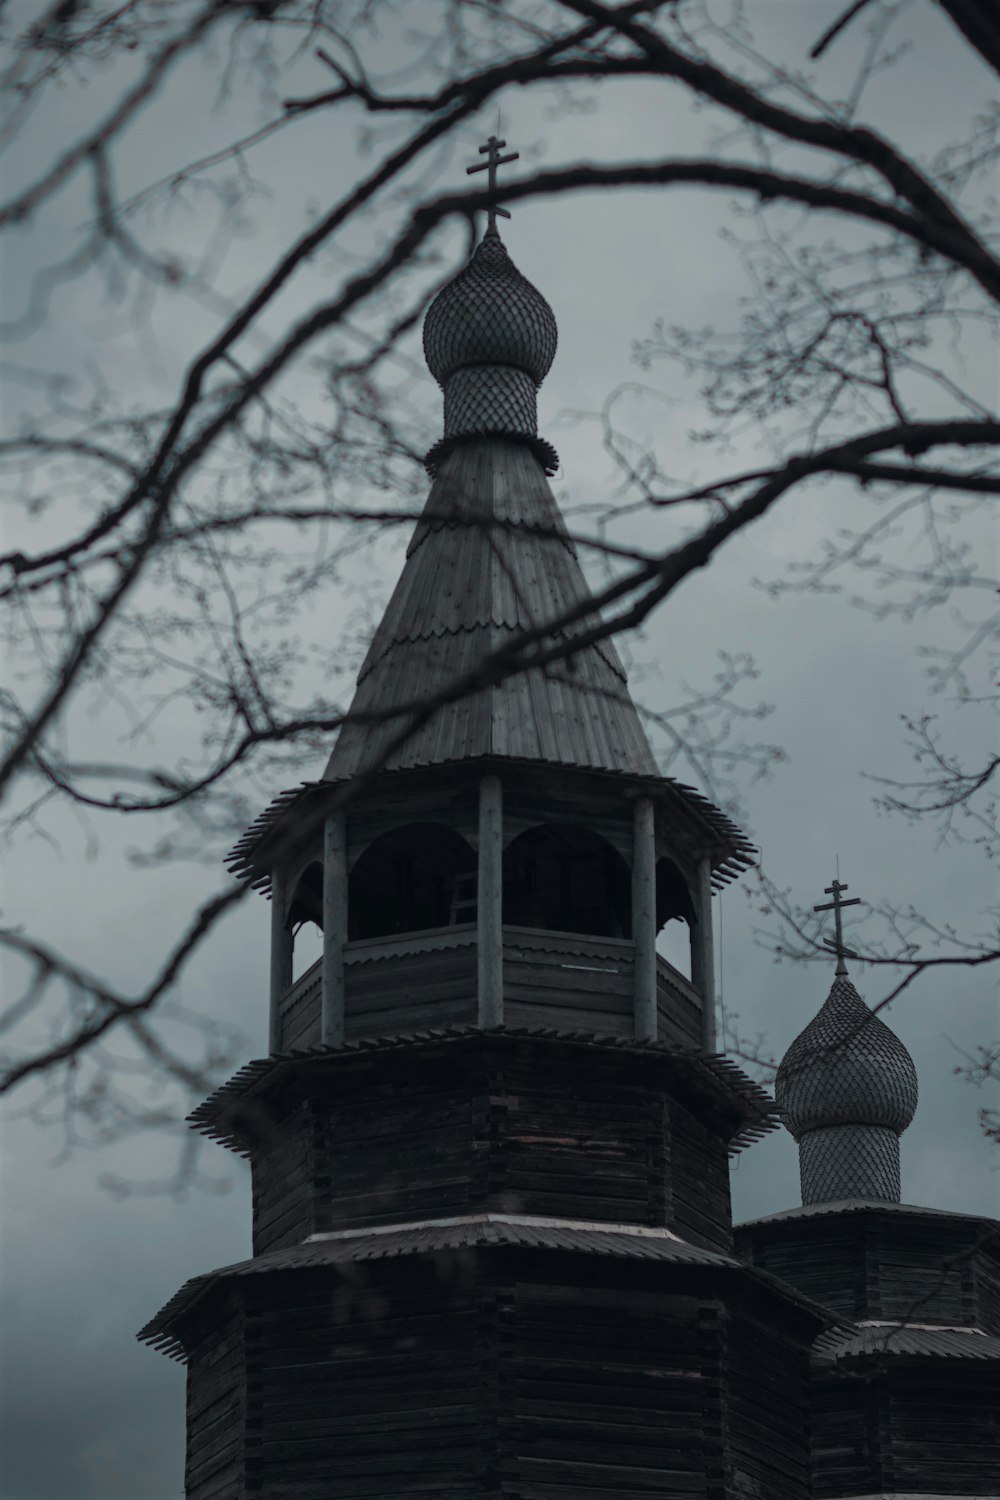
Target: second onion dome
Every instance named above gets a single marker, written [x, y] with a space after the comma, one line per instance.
[847, 1089]
[489, 341]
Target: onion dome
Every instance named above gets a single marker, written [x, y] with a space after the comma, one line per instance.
[847, 1089]
[489, 341]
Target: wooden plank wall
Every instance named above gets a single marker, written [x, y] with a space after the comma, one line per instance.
[572, 982]
[611, 1395]
[406, 1149]
[987, 1271]
[215, 1412]
[923, 1425]
[525, 1128]
[678, 1008]
[285, 1172]
[366, 1387]
[566, 980]
[847, 1420]
[943, 1423]
[300, 1010]
[825, 1259]
[867, 1265]
[399, 992]
[578, 1143]
[766, 1396]
[922, 1272]
[702, 1212]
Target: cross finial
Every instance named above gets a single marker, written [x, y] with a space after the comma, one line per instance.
[836, 906]
[493, 160]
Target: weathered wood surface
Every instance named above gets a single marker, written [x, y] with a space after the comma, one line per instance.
[215, 1412]
[872, 1264]
[678, 1008]
[299, 1011]
[364, 1386]
[701, 1209]
[489, 919]
[913, 1426]
[766, 1390]
[569, 981]
[502, 1128]
[545, 1374]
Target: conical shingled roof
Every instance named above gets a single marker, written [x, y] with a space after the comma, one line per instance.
[490, 559]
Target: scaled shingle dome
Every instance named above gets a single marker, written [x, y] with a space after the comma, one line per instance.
[490, 315]
[846, 1068]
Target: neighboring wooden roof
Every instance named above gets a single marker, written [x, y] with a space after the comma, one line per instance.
[490, 559]
[888, 1339]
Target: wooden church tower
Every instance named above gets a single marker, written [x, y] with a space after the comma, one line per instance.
[492, 1241]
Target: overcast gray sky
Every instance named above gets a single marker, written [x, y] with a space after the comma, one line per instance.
[89, 1415]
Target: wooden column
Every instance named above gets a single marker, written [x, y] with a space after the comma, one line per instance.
[644, 919]
[281, 955]
[703, 954]
[334, 928]
[489, 899]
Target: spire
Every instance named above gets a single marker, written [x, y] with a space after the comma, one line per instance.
[490, 560]
[847, 1089]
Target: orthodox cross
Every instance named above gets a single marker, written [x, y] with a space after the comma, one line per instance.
[493, 160]
[836, 906]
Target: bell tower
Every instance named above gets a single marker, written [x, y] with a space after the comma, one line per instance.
[492, 1250]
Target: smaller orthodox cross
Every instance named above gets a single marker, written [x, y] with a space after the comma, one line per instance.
[493, 160]
[837, 906]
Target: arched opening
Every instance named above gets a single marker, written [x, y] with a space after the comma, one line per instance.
[305, 918]
[675, 917]
[409, 880]
[562, 878]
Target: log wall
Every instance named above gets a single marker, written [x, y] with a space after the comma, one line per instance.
[365, 1386]
[872, 1264]
[568, 981]
[678, 1008]
[701, 1208]
[216, 1411]
[526, 1127]
[766, 1397]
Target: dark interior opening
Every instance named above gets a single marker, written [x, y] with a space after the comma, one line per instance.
[675, 917]
[562, 878]
[420, 876]
[673, 899]
[305, 918]
[307, 902]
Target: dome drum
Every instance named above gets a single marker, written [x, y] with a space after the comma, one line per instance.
[840, 1162]
[490, 399]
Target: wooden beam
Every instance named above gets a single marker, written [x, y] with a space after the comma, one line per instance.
[281, 955]
[644, 919]
[334, 928]
[489, 902]
[703, 953]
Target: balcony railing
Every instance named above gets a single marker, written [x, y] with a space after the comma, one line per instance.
[566, 980]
